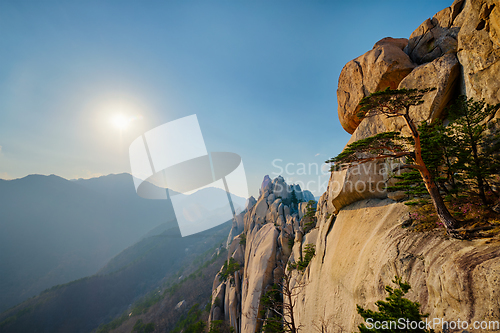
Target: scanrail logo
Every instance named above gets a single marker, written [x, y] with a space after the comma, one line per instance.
[171, 162]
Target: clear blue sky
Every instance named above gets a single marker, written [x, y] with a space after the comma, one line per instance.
[261, 76]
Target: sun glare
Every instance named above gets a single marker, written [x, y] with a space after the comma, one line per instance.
[120, 122]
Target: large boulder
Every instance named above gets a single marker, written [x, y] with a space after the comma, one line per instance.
[250, 203]
[365, 181]
[435, 37]
[232, 306]
[273, 211]
[265, 183]
[302, 209]
[217, 309]
[384, 66]
[443, 74]
[260, 209]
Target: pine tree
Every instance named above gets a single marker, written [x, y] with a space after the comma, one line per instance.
[397, 103]
[294, 199]
[436, 147]
[473, 155]
[396, 310]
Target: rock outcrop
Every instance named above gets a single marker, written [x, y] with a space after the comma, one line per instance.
[479, 49]
[467, 31]
[456, 52]
[261, 242]
[384, 66]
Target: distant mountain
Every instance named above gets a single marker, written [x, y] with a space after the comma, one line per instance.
[53, 230]
[151, 265]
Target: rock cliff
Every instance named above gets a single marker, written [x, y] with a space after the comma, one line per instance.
[360, 243]
[261, 246]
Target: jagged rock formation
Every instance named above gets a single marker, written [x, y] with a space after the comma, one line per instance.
[271, 225]
[358, 236]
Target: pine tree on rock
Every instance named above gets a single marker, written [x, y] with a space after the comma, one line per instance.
[396, 103]
[473, 150]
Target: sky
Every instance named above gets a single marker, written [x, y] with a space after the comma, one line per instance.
[261, 77]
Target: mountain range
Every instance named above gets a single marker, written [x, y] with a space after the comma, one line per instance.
[53, 230]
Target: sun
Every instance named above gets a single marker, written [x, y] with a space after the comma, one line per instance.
[120, 121]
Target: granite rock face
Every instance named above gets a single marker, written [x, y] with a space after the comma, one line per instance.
[270, 229]
[468, 30]
[457, 51]
[364, 247]
[383, 66]
[479, 49]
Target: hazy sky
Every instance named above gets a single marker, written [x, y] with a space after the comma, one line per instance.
[260, 75]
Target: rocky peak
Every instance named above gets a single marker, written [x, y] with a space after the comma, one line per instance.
[270, 237]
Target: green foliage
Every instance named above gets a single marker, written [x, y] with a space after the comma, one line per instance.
[141, 327]
[378, 144]
[190, 322]
[310, 215]
[473, 147]
[220, 326]
[309, 253]
[435, 146]
[394, 308]
[273, 326]
[115, 323]
[243, 239]
[229, 269]
[146, 302]
[18, 314]
[391, 102]
[293, 198]
[272, 300]
[310, 209]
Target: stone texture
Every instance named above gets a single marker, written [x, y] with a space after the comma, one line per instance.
[250, 203]
[302, 209]
[479, 49]
[396, 195]
[366, 248]
[265, 182]
[442, 74]
[365, 181]
[384, 66]
[281, 188]
[260, 257]
[273, 211]
[435, 37]
[286, 210]
[233, 313]
[217, 311]
[308, 195]
[260, 209]
[236, 228]
[283, 240]
[298, 191]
